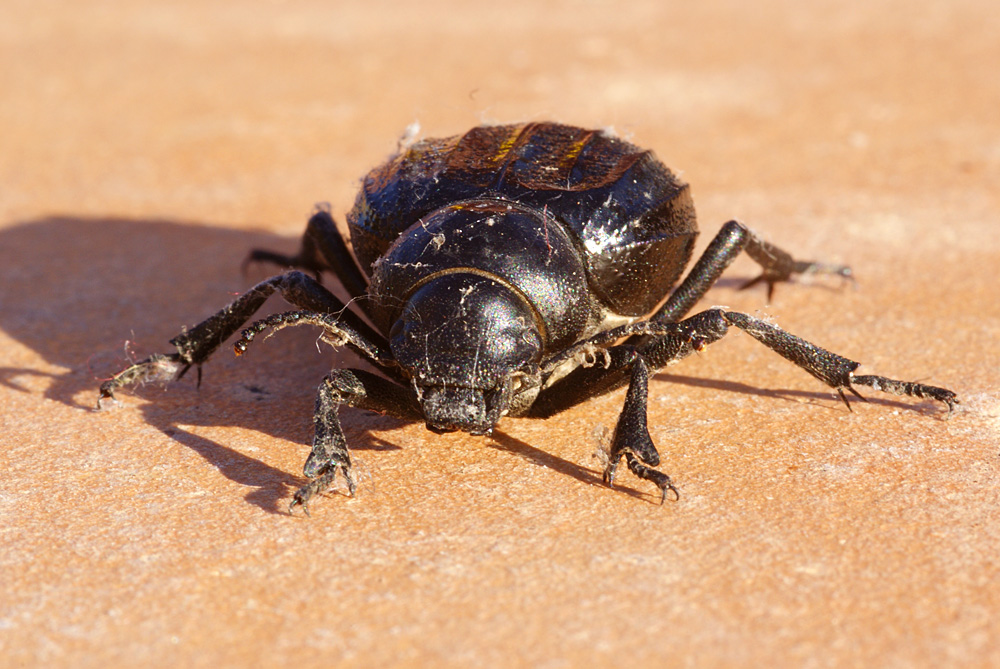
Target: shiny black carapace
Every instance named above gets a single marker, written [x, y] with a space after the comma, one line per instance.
[513, 270]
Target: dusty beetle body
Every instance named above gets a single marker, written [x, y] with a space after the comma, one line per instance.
[513, 270]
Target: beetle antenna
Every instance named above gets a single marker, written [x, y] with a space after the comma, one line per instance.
[276, 322]
[335, 333]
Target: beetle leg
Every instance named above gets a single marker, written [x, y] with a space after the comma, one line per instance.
[778, 265]
[676, 343]
[631, 437]
[330, 454]
[834, 370]
[299, 289]
[667, 344]
[196, 345]
[733, 238]
[830, 368]
[335, 333]
[158, 367]
[323, 249]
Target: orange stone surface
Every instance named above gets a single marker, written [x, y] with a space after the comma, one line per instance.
[147, 146]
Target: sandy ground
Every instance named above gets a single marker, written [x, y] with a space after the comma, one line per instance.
[147, 146]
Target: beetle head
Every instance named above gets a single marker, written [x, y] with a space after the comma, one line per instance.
[464, 338]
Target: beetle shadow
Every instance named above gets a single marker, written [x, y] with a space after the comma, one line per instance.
[824, 399]
[75, 289]
[833, 284]
[505, 442]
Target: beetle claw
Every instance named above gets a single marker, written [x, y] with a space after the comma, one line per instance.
[296, 501]
[609, 474]
[318, 485]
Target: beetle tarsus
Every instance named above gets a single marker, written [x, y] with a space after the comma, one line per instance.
[847, 403]
[184, 370]
[610, 470]
[657, 478]
[157, 368]
[779, 266]
[909, 388]
[319, 485]
[335, 333]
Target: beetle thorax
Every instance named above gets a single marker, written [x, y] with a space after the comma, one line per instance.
[524, 249]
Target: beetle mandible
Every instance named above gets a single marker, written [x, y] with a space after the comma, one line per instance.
[512, 270]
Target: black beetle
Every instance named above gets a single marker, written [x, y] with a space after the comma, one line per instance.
[513, 270]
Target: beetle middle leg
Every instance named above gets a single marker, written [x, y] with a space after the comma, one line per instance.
[834, 370]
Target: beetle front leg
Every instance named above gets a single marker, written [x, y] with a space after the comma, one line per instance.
[610, 367]
[196, 345]
[631, 437]
[359, 389]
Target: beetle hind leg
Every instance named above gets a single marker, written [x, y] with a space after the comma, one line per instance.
[733, 238]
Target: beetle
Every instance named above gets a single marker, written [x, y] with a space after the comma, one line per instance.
[512, 270]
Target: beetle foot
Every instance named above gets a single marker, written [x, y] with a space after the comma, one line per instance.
[158, 367]
[774, 276]
[609, 473]
[643, 471]
[908, 388]
[275, 322]
[656, 477]
[769, 278]
[631, 437]
[320, 484]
